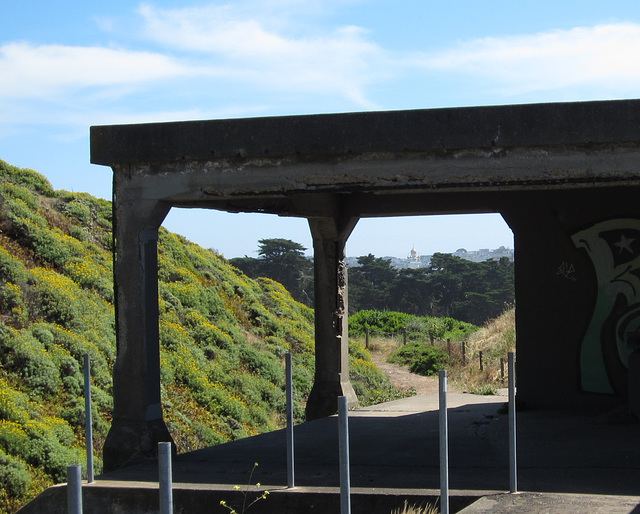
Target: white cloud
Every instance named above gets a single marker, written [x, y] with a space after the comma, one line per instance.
[256, 47]
[244, 58]
[44, 71]
[604, 56]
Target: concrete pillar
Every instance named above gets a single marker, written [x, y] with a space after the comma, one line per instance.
[331, 317]
[137, 424]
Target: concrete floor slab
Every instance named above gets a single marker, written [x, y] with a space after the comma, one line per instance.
[395, 456]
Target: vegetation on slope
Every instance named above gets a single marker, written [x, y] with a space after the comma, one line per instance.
[223, 338]
[427, 345]
[494, 340]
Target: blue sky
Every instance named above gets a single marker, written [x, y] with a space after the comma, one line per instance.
[65, 66]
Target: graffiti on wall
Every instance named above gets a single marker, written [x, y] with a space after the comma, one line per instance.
[613, 246]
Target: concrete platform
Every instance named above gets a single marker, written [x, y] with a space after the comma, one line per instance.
[578, 460]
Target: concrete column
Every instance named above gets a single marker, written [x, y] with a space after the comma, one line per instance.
[331, 317]
[137, 424]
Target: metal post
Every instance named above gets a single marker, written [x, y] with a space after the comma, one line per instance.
[513, 467]
[464, 352]
[87, 418]
[480, 356]
[501, 369]
[444, 444]
[165, 485]
[290, 442]
[345, 480]
[366, 337]
[74, 489]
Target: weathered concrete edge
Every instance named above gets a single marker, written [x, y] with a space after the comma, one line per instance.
[530, 502]
[102, 497]
[425, 130]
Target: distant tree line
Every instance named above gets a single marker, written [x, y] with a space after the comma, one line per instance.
[449, 287]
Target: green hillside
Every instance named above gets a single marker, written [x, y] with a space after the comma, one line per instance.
[223, 338]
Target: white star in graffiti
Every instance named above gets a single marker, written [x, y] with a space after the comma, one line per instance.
[624, 244]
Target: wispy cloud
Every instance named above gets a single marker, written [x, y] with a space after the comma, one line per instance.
[259, 48]
[49, 70]
[603, 56]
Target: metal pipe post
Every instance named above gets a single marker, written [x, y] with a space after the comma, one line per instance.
[513, 465]
[290, 441]
[345, 480]
[444, 444]
[165, 485]
[74, 489]
[87, 418]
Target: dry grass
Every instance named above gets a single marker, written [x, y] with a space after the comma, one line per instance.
[495, 340]
[382, 347]
[412, 509]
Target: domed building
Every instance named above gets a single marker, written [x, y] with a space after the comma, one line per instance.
[413, 259]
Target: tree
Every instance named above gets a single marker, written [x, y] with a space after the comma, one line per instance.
[284, 261]
[370, 284]
[412, 292]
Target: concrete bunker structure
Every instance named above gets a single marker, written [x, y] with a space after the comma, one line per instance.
[565, 177]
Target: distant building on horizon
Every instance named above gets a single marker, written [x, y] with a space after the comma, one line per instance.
[414, 260]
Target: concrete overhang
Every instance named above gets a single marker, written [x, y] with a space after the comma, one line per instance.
[376, 163]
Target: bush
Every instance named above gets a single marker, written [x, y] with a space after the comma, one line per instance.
[421, 358]
[25, 356]
[358, 350]
[11, 269]
[371, 385]
[382, 321]
[27, 178]
[14, 475]
[79, 211]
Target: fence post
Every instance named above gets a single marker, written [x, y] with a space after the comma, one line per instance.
[464, 352]
[290, 442]
[74, 489]
[513, 462]
[480, 356]
[502, 369]
[87, 419]
[366, 337]
[165, 480]
[444, 443]
[343, 438]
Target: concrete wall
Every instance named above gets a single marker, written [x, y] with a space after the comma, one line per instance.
[577, 293]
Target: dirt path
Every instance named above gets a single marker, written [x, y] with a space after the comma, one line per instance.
[403, 379]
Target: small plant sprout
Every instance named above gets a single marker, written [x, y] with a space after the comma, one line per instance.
[245, 495]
